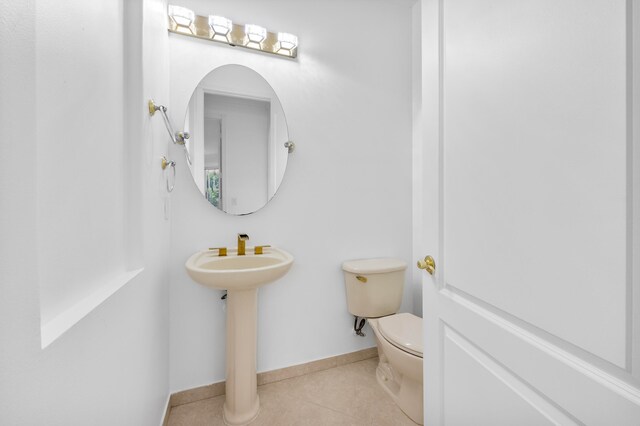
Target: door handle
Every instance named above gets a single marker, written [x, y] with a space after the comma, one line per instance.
[427, 264]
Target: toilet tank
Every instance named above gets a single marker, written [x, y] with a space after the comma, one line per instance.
[374, 286]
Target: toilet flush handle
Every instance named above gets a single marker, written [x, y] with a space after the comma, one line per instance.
[427, 264]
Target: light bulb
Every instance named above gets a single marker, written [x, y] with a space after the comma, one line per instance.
[220, 25]
[287, 41]
[255, 33]
[182, 16]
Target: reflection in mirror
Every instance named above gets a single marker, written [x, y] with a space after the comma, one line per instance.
[238, 135]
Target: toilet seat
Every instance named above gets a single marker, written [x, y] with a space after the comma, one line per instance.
[403, 331]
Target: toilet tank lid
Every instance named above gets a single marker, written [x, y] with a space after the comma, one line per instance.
[374, 266]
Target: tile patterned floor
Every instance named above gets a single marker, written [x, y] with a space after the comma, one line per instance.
[345, 395]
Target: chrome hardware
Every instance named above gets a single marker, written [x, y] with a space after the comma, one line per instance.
[241, 244]
[290, 146]
[164, 163]
[427, 264]
[361, 278]
[222, 251]
[259, 249]
[178, 138]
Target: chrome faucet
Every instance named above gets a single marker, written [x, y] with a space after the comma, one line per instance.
[241, 243]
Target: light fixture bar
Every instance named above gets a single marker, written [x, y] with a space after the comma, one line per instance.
[239, 35]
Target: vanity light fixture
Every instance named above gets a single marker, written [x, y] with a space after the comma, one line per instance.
[255, 35]
[220, 29]
[182, 17]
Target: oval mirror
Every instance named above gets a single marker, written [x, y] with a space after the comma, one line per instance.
[239, 144]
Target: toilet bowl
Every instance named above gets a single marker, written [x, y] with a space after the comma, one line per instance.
[399, 370]
[374, 291]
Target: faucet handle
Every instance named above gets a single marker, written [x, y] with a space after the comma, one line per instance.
[259, 249]
[222, 251]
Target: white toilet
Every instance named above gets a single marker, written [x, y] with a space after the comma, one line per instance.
[374, 291]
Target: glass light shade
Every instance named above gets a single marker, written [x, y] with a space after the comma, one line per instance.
[287, 41]
[255, 33]
[220, 24]
[181, 15]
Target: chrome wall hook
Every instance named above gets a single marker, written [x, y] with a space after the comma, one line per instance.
[164, 164]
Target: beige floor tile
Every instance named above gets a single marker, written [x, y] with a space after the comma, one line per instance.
[304, 413]
[344, 395]
[387, 413]
[349, 389]
[207, 412]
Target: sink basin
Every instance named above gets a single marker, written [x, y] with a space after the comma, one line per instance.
[233, 272]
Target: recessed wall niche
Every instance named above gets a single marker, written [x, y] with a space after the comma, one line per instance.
[87, 191]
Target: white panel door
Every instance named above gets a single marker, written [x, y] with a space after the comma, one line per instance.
[529, 205]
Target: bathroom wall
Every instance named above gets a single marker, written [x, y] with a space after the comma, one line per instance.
[111, 368]
[346, 193]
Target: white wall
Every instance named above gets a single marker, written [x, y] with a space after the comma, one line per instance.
[346, 193]
[111, 367]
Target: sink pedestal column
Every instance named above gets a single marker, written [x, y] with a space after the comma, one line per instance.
[241, 403]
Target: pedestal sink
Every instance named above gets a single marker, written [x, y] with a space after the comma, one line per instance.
[240, 276]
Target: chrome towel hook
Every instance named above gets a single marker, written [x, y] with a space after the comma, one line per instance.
[165, 163]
